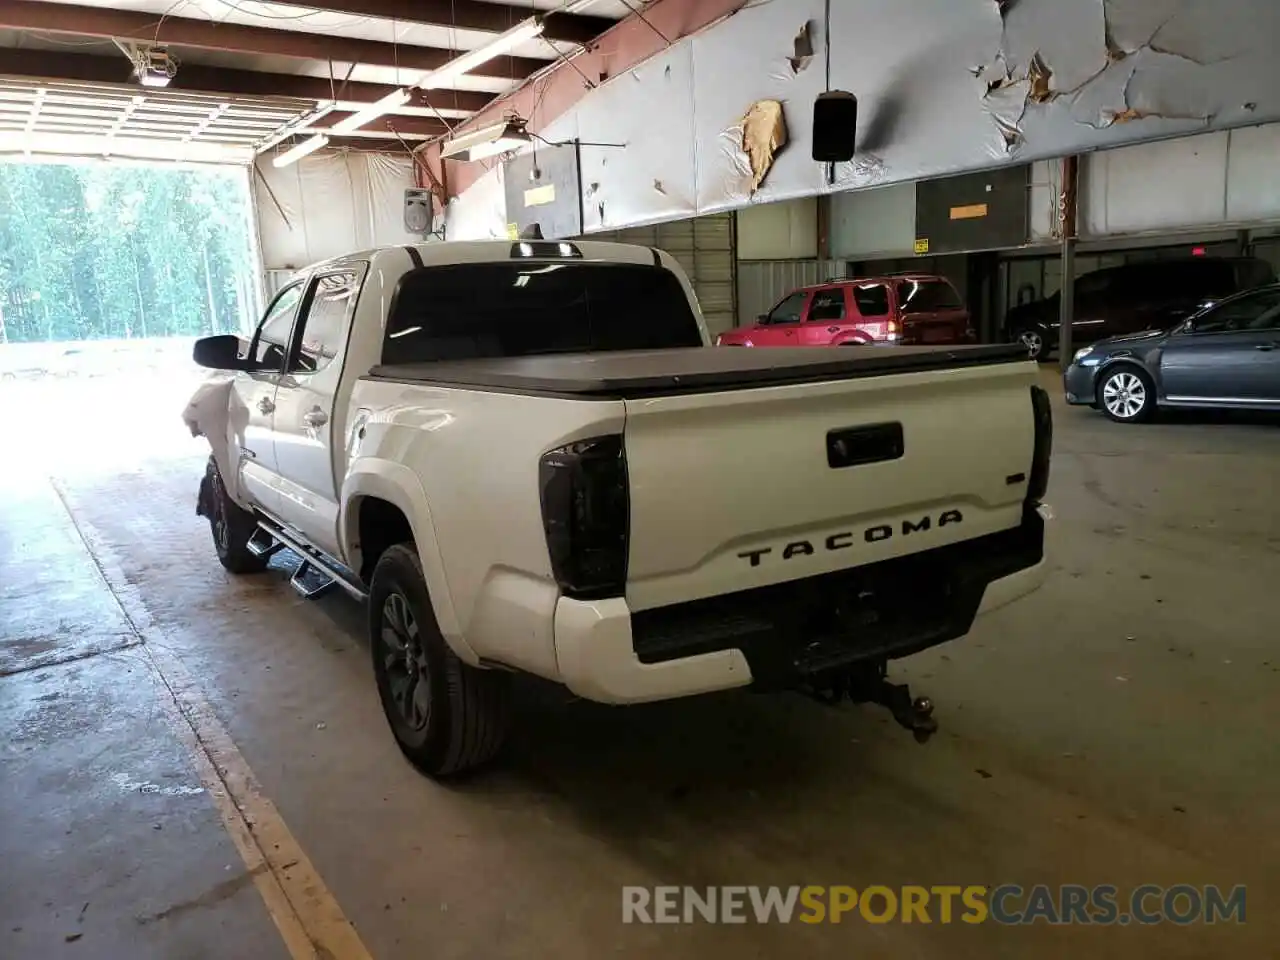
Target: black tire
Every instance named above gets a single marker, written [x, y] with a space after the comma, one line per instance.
[1037, 343]
[231, 526]
[463, 722]
[1126, 394]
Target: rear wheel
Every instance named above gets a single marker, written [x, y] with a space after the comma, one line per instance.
[231, 526]
[1036, 342]
[1127, 395]
[447, 717]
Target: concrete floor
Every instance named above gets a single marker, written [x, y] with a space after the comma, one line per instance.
[1118, 727]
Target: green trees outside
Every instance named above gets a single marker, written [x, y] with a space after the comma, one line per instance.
[92, 250]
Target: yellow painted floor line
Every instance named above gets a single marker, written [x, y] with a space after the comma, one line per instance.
[311, 923]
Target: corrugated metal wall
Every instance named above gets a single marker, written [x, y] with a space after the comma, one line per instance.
[762, 283]
[704, 247]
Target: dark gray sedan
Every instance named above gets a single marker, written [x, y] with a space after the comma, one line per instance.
[1226, 355]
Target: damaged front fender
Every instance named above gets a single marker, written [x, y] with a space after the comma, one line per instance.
[209, 414]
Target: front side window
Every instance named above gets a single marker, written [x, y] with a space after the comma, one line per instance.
[788, 311]
[324, 329]
[530, 307]
[1255, 311]
[272, 338]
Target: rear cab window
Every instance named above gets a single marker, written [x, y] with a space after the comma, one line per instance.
[530, 307]
[927, 296]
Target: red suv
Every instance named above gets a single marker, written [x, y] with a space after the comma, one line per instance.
[914, 308]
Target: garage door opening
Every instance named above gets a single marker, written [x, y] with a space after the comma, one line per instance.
[108, 273]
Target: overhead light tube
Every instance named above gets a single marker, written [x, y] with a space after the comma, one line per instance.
[305, 148]
[522, 32]
[394, 99]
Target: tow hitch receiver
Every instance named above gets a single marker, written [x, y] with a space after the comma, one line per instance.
[914, 714]
[868, 685]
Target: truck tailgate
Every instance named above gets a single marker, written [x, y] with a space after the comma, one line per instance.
[743, 488]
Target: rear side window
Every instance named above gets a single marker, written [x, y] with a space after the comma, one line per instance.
[926, 296]
[519, 309]
[827, 305]
[1202, 278]
[872, 299]
[1253, 273]
[324, 328]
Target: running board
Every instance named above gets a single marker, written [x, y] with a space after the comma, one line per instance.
[315, 567]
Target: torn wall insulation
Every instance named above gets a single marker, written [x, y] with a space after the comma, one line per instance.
[944, 87]
[329, 204]
[763, 134]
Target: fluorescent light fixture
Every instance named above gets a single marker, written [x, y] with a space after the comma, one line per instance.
[305, 148]
[486, 142]
[394, 99]
[296, 126]
[522, 32]
[154, 80]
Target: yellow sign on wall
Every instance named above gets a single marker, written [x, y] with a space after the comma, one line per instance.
[537, 196]
[970, 212]
[922, 246]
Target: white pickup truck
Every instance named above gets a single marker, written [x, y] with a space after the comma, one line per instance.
[526, 456]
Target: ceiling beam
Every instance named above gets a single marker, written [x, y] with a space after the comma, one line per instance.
[91, 68]
[465, 15]
[237, 38]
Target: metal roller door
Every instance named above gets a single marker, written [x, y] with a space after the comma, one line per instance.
[704, 248]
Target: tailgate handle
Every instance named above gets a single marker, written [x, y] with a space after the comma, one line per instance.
[873, 443]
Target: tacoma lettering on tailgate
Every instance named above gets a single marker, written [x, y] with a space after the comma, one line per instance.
[845, 539]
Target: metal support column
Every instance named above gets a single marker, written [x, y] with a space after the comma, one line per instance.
[1067, 230]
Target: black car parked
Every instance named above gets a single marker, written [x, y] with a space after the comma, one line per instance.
[1135, 297]
[1227, 355]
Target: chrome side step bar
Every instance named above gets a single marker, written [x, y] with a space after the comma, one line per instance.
[317, 572]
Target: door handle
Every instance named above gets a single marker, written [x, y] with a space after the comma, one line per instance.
[1265, 346]
[315, 418]
[833, 329]
[266, 405]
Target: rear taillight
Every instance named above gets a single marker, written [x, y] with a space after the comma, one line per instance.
[586, 516]
[1042, 414]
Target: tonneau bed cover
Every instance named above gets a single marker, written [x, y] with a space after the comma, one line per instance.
[634, 374]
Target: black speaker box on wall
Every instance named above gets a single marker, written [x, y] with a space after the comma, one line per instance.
[835, 124]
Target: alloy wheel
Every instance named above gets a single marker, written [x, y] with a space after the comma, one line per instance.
[1124, 395]
[1033, 341]
[405, 660]
[221, 526]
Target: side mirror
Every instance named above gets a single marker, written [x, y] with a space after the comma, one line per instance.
[762, 318]
[221, 353]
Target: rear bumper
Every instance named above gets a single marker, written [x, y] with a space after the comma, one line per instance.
[781, 635]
